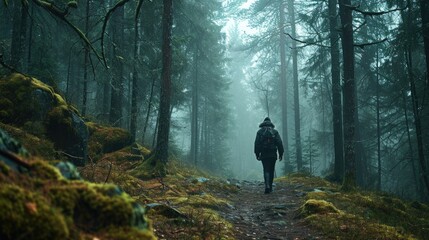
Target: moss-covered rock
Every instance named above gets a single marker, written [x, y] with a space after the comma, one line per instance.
[104, 139]
[43, 170]
[41, 204]
[24, 215]
[95, 207]
[313, 206]
[29, 103]
[43, 207]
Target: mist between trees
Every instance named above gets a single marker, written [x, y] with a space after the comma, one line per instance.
[345, 82]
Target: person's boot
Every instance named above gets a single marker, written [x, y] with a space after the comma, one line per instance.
[267, 182]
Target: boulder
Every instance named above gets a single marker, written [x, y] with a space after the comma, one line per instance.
[29, 103]
[105, 139]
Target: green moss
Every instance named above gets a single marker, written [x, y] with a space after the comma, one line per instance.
[36, 128]
[65, 198]
[98, 211]
[207, 224]
[313, 206]
[18, 89]
[27, 215]
[124, 155]
[43, 170]
[36, 146]
[369, 214]
[29, 109]
[138, 149]
[59, 126]
[15, 89]
[6, 107]
[103, 139]
[127, 233]
[4, 169]
[92, 207]
[150, 168]
[348, 226]
[307, 181]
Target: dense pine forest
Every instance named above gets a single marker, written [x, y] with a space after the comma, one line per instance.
[136, 119]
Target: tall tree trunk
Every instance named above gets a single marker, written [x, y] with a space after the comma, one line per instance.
[86, 62]
[115, 116]
[418, 124]
[378, 125]
[424, 9]
[161, 152]
[155, 131]
[134, 109]
[348, 95]
[298, 147]
[194, 112]
[337, 118]
[415, 102]
[410, 146]
[106, 99]
[283, 83]
[149, 107]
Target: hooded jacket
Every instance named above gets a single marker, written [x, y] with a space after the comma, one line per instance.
[268, 154]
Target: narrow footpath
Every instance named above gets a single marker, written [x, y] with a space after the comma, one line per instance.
[256, 215]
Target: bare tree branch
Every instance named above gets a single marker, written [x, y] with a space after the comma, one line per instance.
[106, 19]
[371, 13]
[363, 45]
[318, 43]
[61, 14]
[110, 171]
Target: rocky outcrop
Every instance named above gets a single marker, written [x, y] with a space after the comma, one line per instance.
[30, 104]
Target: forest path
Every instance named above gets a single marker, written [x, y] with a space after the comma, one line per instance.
[268, 216]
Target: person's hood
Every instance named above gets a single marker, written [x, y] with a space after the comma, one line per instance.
[266, 124]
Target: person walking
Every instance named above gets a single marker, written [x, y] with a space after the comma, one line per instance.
[267, 144]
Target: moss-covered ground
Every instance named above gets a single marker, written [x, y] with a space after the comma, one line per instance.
[185, 204]
[181, 202]
[181, 205]
[359, 214]
[41, 204]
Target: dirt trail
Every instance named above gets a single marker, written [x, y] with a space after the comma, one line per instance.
[268, 216]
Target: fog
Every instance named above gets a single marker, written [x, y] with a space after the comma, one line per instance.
[348, 95]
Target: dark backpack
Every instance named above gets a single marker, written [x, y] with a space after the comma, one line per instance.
[268, 139]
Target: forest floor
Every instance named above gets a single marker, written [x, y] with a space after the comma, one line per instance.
[256, 215]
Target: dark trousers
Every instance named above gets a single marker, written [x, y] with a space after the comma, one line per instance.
[269, 165]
